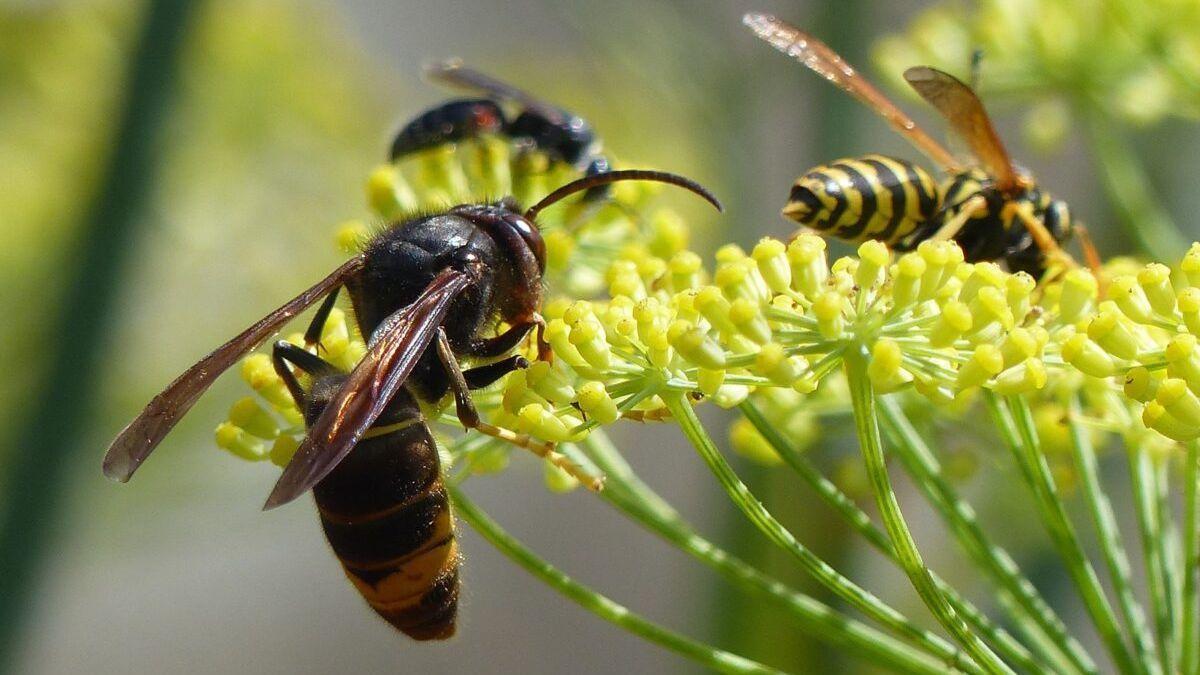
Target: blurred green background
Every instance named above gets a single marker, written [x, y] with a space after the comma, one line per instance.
[257, 123]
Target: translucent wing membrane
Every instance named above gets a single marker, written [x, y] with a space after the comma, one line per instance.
[819, 58]
[135, 443]
[965, 112]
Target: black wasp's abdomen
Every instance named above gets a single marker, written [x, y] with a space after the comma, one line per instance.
[387, 517]
[448, 123]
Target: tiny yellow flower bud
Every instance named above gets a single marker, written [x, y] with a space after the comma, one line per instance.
[684, 268]
[873, 259]
[1183, 359]
[235, 439]
[1189, 307]
[827, 309]
[1156, 417]
[557, 480]
[1019, 288]
[1087, 356]
[983, 275]
[886, 367]
[735, 279]
[730, 395]
[939, 261]
[906, 283]
[696, 346]
[1141, 384]
[730, 253]
[934, 390]
[492, 459]
[1020, 344]
[1155, 280]
[806, 255]
[990, 305]
[536, 420]
[388, 194]
[550, 384]
[595, 401]
[559, 336]
[623, 279]
[713, 306]
[709, 381]
[668, 233]
[588, 337]
[954, 320]
[1190, 266]
[1111, 333]
[747, 442]
[283, 449]
[1173, 394]
[1079, 291]
[252, 418]
[985, 362]
[351, 236]
[771, 256]
[1022, 378]
[1129, 297]
[749, 319]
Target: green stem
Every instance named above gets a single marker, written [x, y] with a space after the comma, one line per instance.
[1143, 474]
[866, 423]
[600, 605]
[626, 492]
[1128, 189]
[1028, 608]
[1105, 521]
[51, 436]
[829, 493]
[756, 513]
[1015, 423]
[1189, 660]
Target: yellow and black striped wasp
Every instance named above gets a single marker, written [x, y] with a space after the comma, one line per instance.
[994, 211]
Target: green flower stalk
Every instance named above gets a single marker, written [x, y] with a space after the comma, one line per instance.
[642, 329]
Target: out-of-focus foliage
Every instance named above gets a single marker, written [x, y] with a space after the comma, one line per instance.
[60, 71]
[1132, 60]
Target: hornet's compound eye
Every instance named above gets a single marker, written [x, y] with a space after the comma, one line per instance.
[529, 233]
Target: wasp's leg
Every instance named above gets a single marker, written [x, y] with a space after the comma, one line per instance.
[1090, 254]
[482, 376]
[1041, 236]
[312, 336]
[969, 209]
[284, 353]
[469, 417]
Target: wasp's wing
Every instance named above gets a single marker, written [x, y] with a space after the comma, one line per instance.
[452, 72]
[967, 116]
[819, 58]
[395, 348]
[136, 441]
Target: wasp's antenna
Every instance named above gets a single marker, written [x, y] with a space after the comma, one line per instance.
[626, 174]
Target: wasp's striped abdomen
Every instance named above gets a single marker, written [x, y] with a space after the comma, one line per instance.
[870, 197]
[387, 516]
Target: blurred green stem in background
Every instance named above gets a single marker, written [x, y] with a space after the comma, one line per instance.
[717, 660]
[54, 429]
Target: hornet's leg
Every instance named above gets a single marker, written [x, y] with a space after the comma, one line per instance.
[285, 353]
[1041, 236]
[482, 376]
[312, 336]
[1090, 254]
[469, 416]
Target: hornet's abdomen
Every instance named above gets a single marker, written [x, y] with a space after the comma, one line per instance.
[387, 516]
[871, 197]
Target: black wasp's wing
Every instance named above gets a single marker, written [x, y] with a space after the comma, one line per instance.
[135, 442]
[821, 59]
[452, 72]
[959, 104]
[395, 348]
